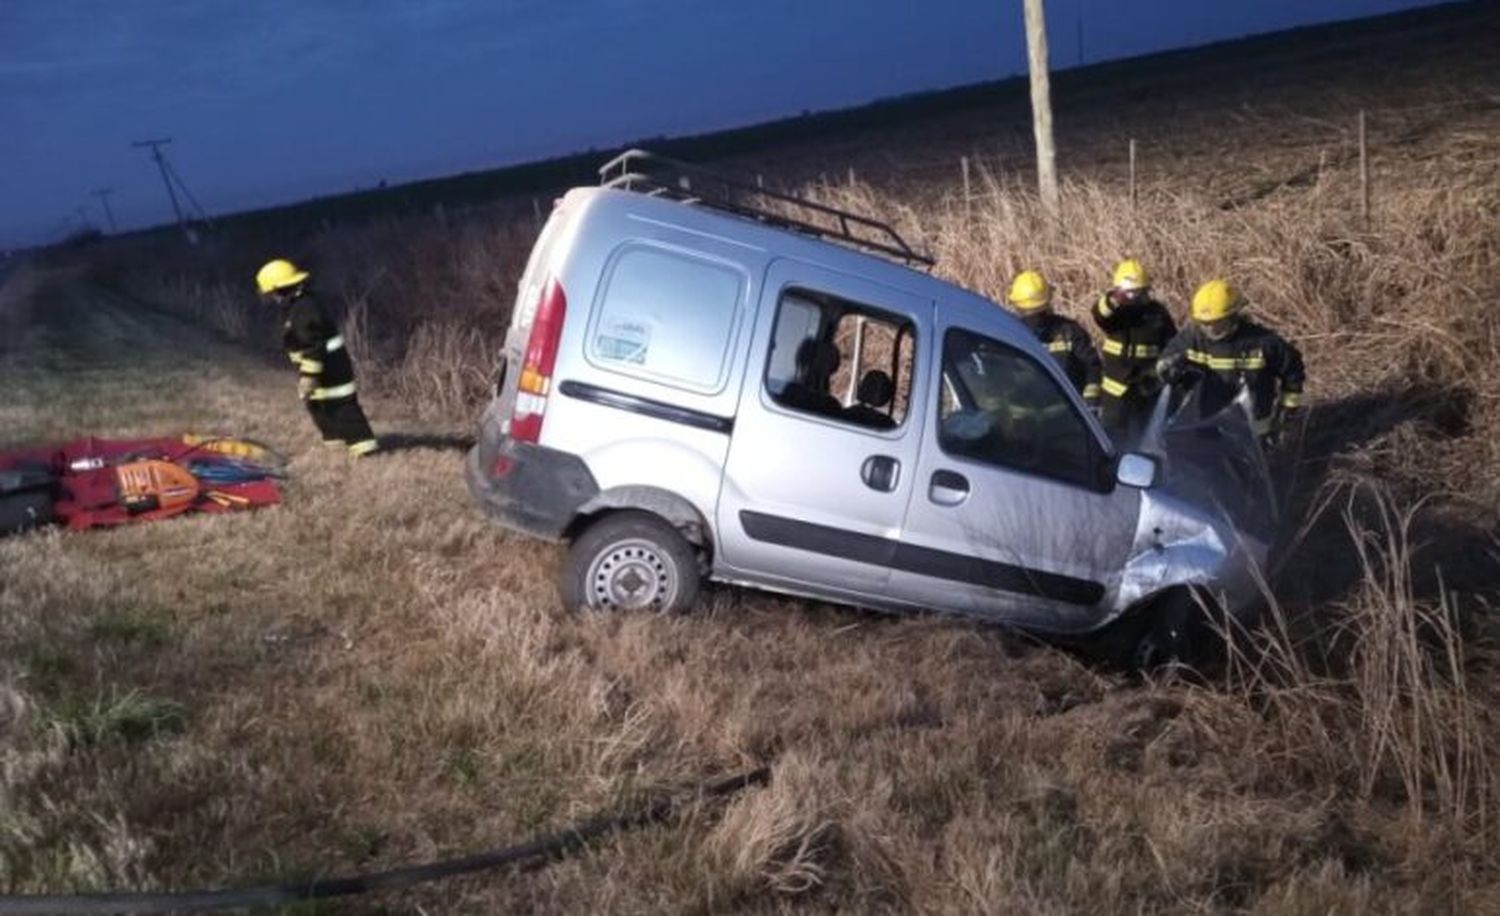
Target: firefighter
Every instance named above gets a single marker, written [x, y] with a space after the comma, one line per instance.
[1064, 338]
[1221, 349]
[1136, 327]
[313, 343]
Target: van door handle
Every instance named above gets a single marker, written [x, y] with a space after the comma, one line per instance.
[948, 488]
[880, 472]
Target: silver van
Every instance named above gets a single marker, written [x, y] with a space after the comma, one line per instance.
[703, 378]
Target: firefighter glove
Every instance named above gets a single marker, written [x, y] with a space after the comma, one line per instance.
[305, 386]
[1178, 373]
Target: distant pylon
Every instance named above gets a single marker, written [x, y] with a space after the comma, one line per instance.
[161, 165]
[174, 183]
[109, 214]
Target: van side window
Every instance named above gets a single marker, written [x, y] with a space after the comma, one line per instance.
[667, 316]
[998, 406]
[841, 360]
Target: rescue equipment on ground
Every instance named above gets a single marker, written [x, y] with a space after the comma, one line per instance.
[92, 483]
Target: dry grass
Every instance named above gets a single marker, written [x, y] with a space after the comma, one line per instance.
[371, 674]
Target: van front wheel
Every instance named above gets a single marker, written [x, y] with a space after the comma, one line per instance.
[630, 561]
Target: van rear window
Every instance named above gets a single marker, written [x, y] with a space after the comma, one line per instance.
[667, 316]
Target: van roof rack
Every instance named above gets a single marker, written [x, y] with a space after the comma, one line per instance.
[640, 170]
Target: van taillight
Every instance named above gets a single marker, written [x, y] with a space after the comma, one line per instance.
[535, 382]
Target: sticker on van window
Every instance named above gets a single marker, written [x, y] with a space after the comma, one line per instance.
[623, 340]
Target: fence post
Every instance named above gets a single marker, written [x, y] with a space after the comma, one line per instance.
[1133, 197]
[858, 357]
[851, 176]
[963, 164]
[760, 180]
[1364, 172]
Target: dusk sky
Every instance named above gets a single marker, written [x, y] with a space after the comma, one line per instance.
[275, 100]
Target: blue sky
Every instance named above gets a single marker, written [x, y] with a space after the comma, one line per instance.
[276, 100]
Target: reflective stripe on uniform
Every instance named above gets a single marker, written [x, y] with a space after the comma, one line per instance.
[1091, 392]
[1137, 351]
[295, 356]
[309, 366]
[331, 394]
[363, 448]
[1114, 388]
[1255, 360]
[1106, 308]
[336, 342]
[1291, 399]
[1058, 346]
[1264, 425]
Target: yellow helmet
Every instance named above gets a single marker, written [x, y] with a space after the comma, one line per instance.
[1216, 300]
[1029, 291]
[279, 274]
[1131, 275]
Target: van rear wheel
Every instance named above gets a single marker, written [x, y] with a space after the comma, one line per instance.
[630, 561]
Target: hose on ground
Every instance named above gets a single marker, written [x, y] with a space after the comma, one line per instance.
[544, 847]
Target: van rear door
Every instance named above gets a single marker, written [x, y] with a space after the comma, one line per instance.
[529, 291]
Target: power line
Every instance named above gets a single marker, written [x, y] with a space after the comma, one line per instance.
[182, 186]
[161, 165]
[103, 195]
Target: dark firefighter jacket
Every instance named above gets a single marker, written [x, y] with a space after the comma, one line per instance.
[315, 346]
[1070, 345]
[1134, 337]
[1253, 355]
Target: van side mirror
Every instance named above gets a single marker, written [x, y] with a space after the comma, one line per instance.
[1136, 470]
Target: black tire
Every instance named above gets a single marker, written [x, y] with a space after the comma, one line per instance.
[630, 561]
[1171, 631]
[1183, 632]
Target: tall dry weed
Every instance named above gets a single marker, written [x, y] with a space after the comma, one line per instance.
[1375, 693]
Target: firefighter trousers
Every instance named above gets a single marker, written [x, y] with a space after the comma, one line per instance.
[1124, 417]
[342, 421]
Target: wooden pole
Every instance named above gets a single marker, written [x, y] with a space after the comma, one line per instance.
[1364, 172]
[858, 357]
[1133, 197]
[963, 165]
[1041, 104]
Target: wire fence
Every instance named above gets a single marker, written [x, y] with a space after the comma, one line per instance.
[1304, 149]
[1299, 150]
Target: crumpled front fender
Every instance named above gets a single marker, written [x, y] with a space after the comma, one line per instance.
[1210, 520]
[1178, 544]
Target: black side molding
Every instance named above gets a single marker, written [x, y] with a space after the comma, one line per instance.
[660, 410]
[924, 561]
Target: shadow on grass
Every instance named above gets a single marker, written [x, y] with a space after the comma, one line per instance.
[1318, 563]
[404, 442]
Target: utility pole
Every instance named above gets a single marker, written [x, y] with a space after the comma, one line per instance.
[1041, 104]
[103, 195]
[161, 165]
